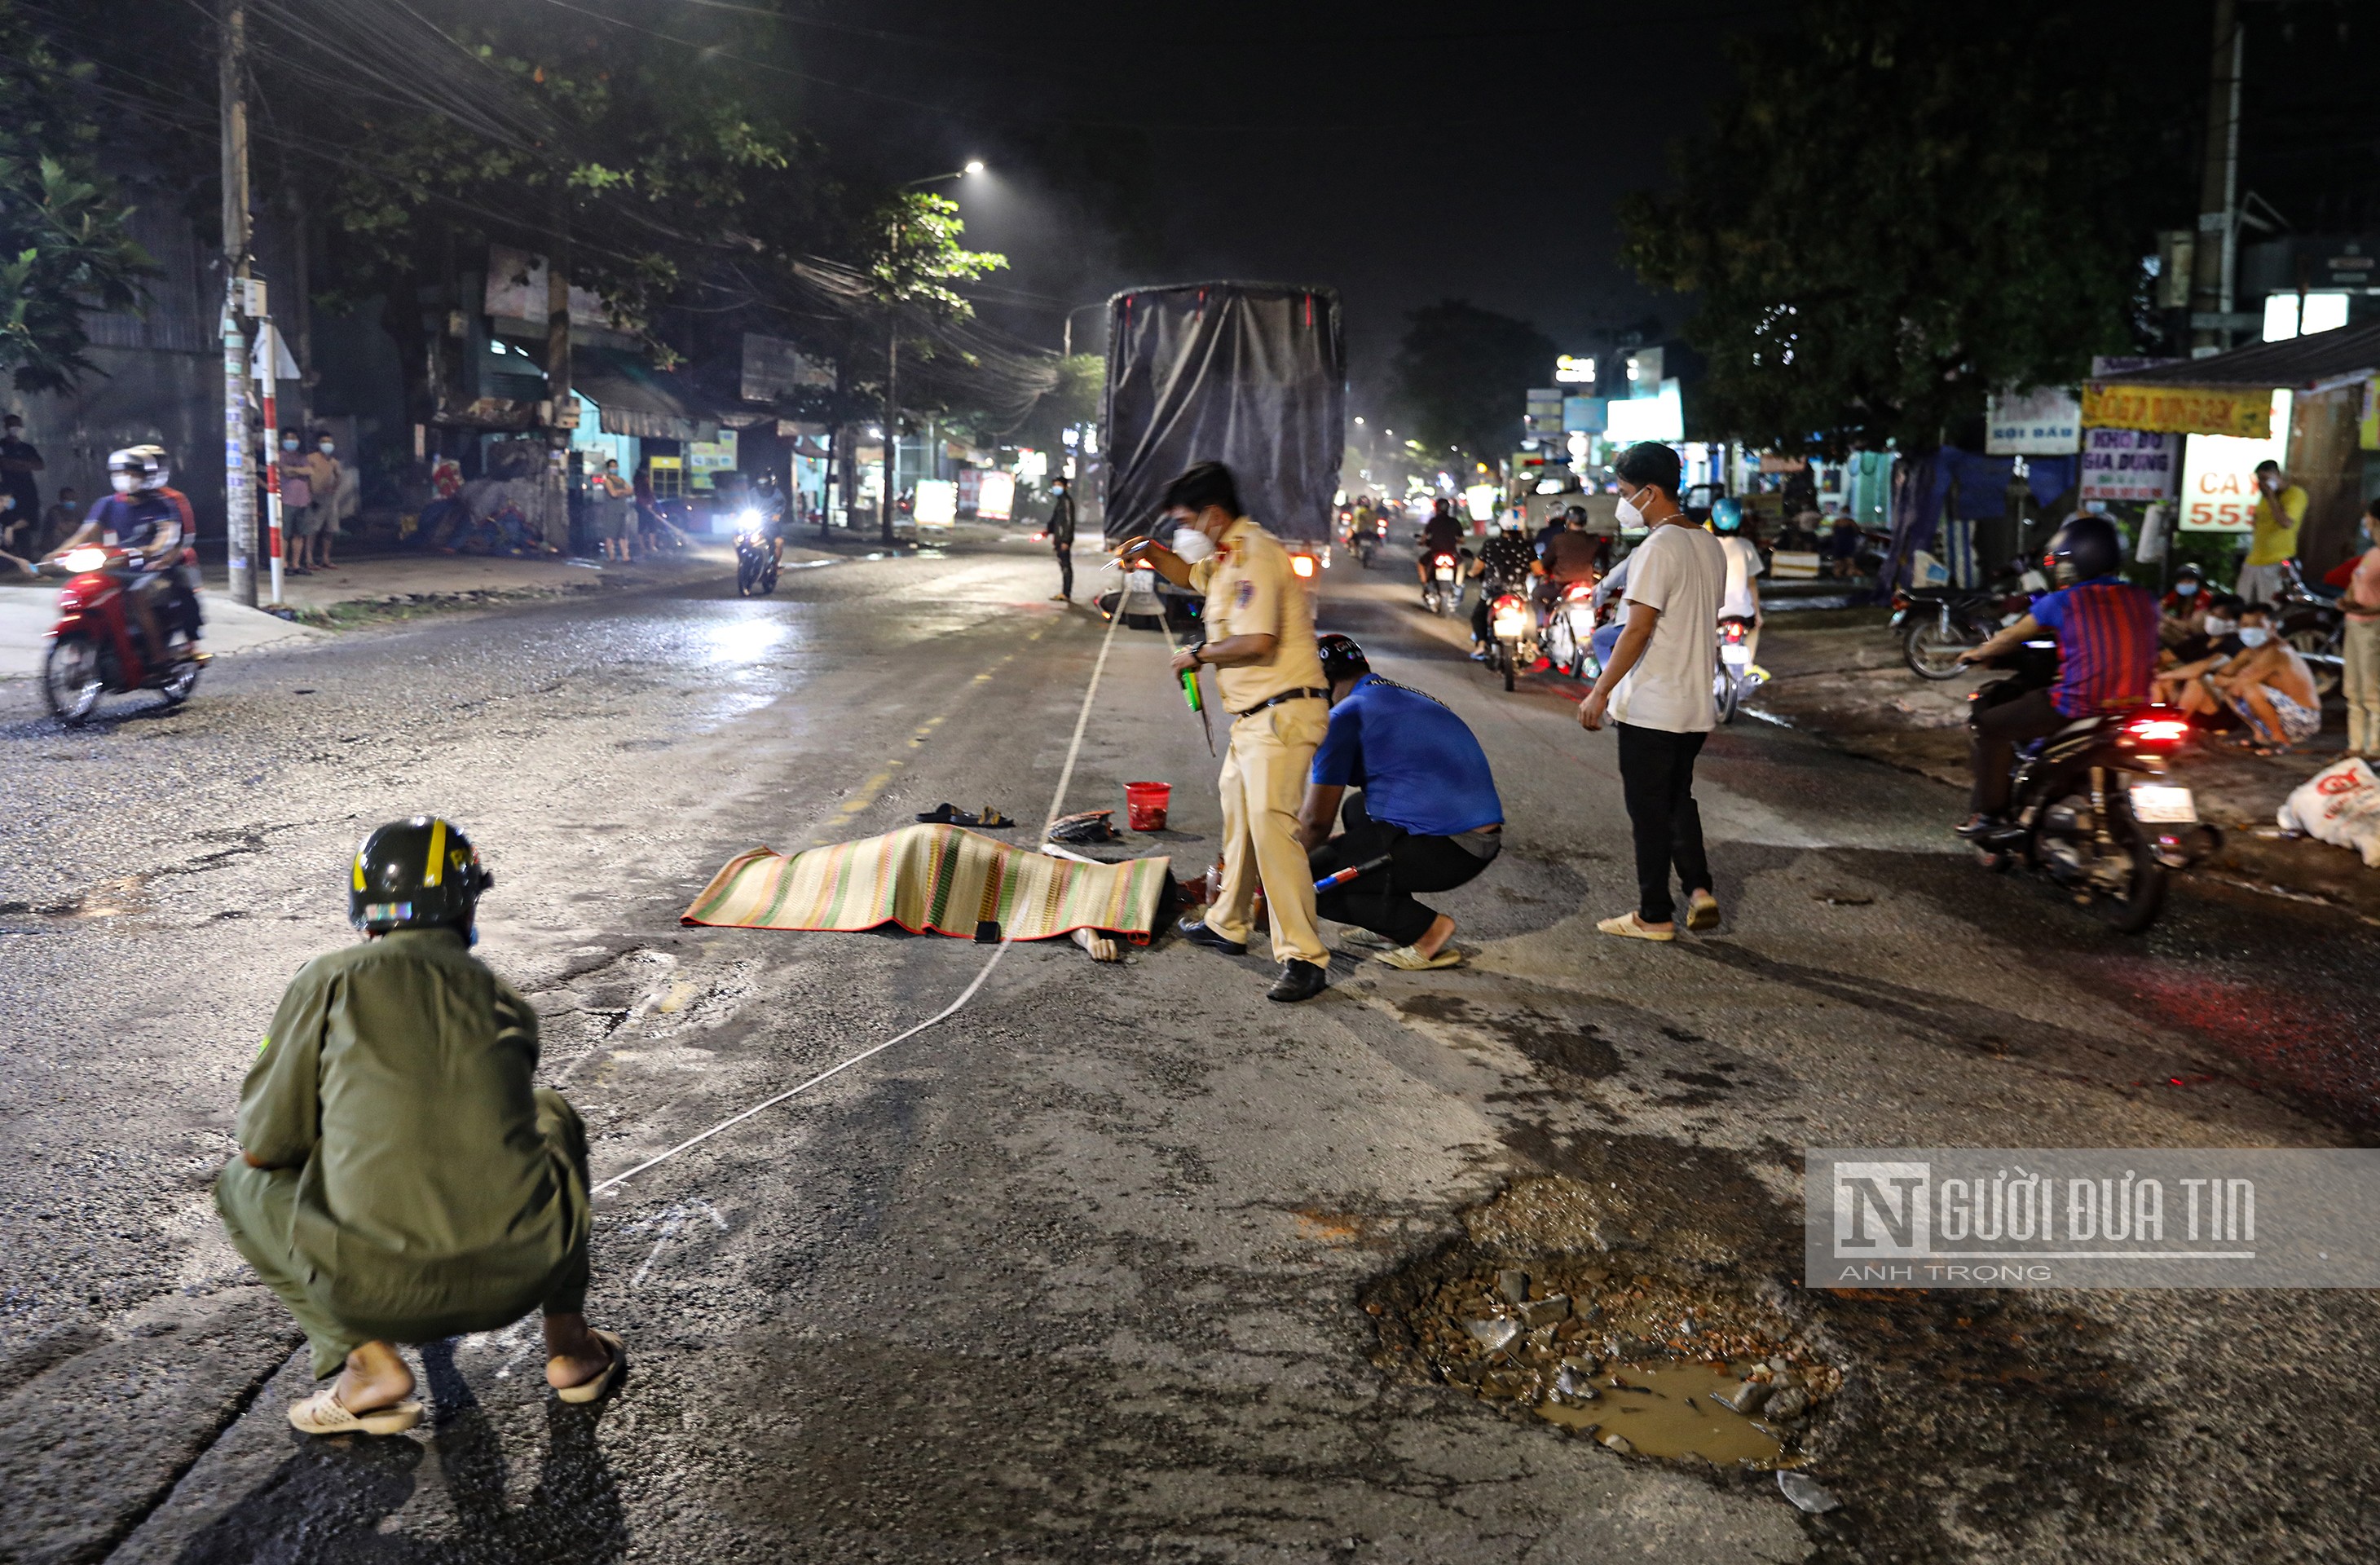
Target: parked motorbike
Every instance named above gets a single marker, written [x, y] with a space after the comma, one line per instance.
[2309, 619]
[1441, 593]
[1733, 677]
[1570, 632]
[756, 569]
[1511, 635]
[2091, 806]
[96, 648]
[1936, 624]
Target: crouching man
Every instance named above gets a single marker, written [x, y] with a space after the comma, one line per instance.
[399, 1179]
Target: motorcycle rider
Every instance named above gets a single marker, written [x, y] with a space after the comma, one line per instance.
[1440, 535]
[1742, 600]
[1502, 566]
[2106, 631]
[152, 520]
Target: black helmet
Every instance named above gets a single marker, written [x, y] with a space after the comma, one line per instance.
[2085, 547]
[1341, 659]
[415, 874]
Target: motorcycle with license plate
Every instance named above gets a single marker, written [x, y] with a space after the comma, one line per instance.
[1570, 632]
[97, 648]
[756, 564]
[1441, 591]
[1733, 677]
[2093, 807]
[1512, 634]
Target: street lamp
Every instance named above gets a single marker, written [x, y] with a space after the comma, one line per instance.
[1067, 351]
[893, 356]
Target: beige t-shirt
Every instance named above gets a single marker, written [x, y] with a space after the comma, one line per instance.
[1251, 591]
[1682, 571]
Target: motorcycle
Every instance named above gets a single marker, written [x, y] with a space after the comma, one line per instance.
[1938, 623]
[1442, 592]
[1363, 541]
[1513, 636]
[756, 569]
[96, 648]
[2307, 617]
[1734, 677]
[1570, 632]
[2091, 806]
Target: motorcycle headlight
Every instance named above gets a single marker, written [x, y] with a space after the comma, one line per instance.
[80, 560]
[750, 521]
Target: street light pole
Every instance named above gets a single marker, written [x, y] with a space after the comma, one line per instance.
[239, 467]
[892, 352]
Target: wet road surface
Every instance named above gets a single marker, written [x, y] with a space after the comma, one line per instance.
[1091, 1270]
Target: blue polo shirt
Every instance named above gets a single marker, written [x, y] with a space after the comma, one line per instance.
[1417, 763]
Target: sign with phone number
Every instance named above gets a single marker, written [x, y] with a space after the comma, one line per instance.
[2218, 475]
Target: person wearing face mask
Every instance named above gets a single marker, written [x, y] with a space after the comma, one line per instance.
[1655, 687]
[296, 495]
[152, 521]
[314, 525]
[2272, 537]
[2183, 610]
[2269, 687]
[2107, 634]
[2182, 668]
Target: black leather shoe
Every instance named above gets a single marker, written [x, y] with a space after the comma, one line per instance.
[1195, 930]
[1299, 980]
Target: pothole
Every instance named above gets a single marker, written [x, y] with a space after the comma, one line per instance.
[1531, 1311]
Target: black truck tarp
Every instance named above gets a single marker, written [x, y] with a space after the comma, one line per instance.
[1253, 375]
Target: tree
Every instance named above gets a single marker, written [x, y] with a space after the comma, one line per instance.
[64, 248]
[1462, 376]
[1896, 215]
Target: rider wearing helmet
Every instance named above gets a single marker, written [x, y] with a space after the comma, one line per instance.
[400, 1178]
[2106, 633]
[1742, 599]
[1504, 565]
[1442, 533]
[152, 520]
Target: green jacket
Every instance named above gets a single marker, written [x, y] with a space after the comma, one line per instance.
[396, 1079]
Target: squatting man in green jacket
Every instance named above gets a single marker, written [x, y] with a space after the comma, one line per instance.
[399, 1178]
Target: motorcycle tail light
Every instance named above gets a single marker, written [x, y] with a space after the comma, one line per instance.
[1302, 565]
[1577, 590]
[2158, 733]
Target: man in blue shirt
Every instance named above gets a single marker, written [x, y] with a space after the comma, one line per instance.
[1428, 805]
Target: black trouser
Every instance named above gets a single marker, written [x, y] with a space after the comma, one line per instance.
[1657, 777]
[1066, 568]
[1996, 733]
[1382, 900]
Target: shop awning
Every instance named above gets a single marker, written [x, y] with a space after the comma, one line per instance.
[2231, 393]
[633, 398]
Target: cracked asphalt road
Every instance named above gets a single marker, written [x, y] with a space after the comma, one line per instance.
[1081, 1274]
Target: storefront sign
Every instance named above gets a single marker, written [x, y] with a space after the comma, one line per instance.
[706, 459]
[2244, 413]
[2045, 421]
[1582, 415]
[2128, 464]
[2219, 474]
[1659, 416]
[995, 497]
[938, 503]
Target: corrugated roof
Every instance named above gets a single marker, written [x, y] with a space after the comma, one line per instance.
[633, 398]
[2296, 364]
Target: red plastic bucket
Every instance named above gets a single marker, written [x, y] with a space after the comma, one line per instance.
[1143, 805]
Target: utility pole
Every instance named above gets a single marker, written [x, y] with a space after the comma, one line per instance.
[2214, 258]
[892, 417]
[562, 410]
[240, 471]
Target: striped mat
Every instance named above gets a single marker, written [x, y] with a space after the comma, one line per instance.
[940, 878]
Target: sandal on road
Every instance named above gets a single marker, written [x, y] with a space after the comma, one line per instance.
[322, 1413]
[1628, 926]
[588, 1390]
[1409, 959]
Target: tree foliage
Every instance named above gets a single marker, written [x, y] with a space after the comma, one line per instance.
[64, 247]
[1462, 376]
[1896, 213]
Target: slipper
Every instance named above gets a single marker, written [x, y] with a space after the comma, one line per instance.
[1357, 935]
[1409, 958]
[1702, 911]
[991, 819]
[1625, 925]
[943, 814]
[588, 1390]
[322, 1413]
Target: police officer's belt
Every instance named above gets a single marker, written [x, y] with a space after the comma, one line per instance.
[1285, 695]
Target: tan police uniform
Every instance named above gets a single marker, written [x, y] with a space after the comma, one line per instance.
[1281, 709]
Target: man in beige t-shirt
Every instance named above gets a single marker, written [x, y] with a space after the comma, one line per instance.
[1260, 620]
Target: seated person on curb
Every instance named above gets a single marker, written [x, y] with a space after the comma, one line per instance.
[399, 1179]
[2107, 634]
[2182, 668]
[2269, 685]
[1429, 804]
[1504, 565]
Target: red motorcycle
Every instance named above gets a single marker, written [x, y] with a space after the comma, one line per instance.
[96, 648]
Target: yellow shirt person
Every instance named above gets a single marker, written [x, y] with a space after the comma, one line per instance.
[2274, 537]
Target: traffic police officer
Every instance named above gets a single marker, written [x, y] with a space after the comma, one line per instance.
[1259, 624]
[399, 1179]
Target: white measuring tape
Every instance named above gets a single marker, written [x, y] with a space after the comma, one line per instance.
[1056, 803]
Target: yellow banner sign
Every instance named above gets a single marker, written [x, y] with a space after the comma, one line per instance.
[2245, 414]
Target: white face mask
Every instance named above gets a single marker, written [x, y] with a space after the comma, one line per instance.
[2185, 589]
[2217, 626]
[124, 483]
[1626, 511]
[2254, 636]
[1192, 544]
[326, 448]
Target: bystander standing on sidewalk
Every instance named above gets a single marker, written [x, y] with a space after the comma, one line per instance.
[297, 499]
[323, 482]
[615, 505]
[2273, 535]
[1061, 532]
[2361, 644]
[1657, 689]
[18, 462]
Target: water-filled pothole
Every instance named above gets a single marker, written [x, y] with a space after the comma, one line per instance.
[1663, 1409]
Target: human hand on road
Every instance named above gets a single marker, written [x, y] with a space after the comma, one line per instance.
[1590, 711]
